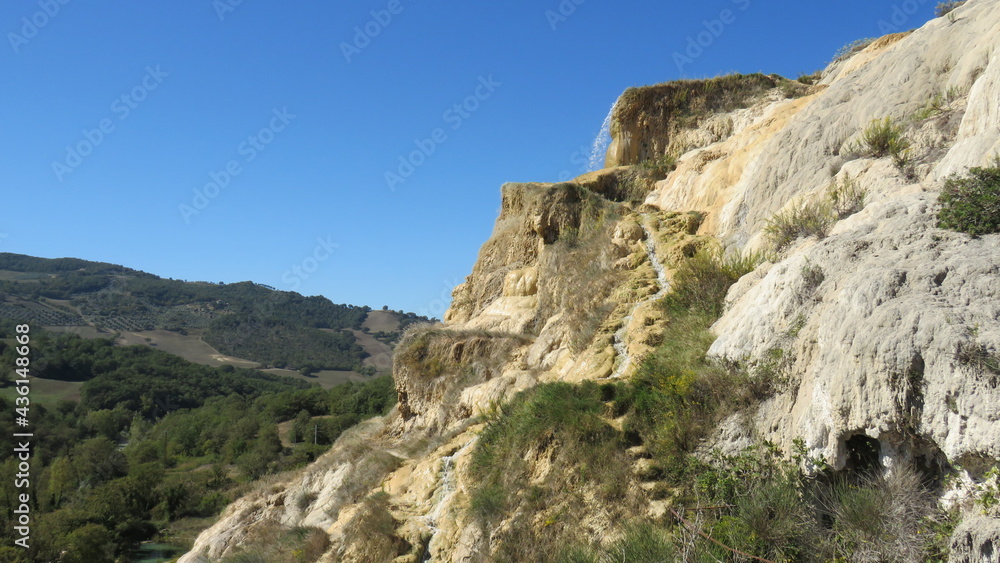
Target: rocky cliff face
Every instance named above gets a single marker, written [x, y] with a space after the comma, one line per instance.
[880, 321]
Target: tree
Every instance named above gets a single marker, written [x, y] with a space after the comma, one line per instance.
[98, 460]
[301, 427]
[91, 543]
[266, 449]
[108, 423]
[63, 480]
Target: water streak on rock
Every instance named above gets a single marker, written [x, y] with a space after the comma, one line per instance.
[621, 347]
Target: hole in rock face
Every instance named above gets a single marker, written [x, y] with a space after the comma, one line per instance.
[863, 455]
[931, 463]
[986, 551]
[633, 438]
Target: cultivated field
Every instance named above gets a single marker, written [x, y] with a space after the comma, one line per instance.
[326, 378]
[384, 321]
[47, 391]
[379, 353]
[81, 331]
[189, 347]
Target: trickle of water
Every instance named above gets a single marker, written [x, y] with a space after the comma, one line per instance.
[601, 142]
[445, 491]
[621, 347]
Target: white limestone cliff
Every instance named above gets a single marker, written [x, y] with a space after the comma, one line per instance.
[873, 317]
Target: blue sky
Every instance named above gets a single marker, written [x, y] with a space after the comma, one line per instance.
[228, 141]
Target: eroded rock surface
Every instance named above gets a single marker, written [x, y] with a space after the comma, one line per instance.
[876, 321]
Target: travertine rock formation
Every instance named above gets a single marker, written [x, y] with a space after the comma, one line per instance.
[881, 320]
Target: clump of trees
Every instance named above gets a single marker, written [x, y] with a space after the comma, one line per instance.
[156, 439]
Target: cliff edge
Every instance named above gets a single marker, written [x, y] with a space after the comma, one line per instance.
[869, 343]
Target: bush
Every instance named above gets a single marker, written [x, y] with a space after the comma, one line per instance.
[810, 79]
[944, 8]
[978, 357]
[851, 48]
[270, 542]
[805, 220]
[793, 88]
[489, 502]
[676, 395]
[572, 413]
[882, 138]
[971, 204]
[379, 541]
[880, 518]
[661, 167]
[701, 282]
[846, 198]
[642, 542]
[815, 218]
[563, 424]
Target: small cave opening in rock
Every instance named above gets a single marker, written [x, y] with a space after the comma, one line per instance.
[863, 453]
[930, 462]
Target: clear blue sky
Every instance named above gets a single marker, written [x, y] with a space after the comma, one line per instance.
[180, 88]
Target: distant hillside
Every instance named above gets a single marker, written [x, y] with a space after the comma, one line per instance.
[241, 321]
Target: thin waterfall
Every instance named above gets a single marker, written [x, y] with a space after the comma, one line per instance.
[446, 490]
[621, 347]
[601, 142]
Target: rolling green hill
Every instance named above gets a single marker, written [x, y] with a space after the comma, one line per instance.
[207, 323]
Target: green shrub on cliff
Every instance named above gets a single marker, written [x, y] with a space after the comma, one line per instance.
[971, 204]
[560, 425]
[816, 217]
[851, 48]
[805, 220]
[883, 137]
[945, 8]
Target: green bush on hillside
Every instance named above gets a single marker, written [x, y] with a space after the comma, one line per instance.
[971, 204]
[805, 220]
[815, 218]
[701, 282]
[565, 424]
[851, 48]
[881, 138]
[945, 8]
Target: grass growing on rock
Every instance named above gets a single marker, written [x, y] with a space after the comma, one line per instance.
[274, 543]
[883, 137]
[815, 218]
[550, 457]
[945, 8]
[562, 427]
[693, 99]
[662, 111]
[677, 395]
[674, 401]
